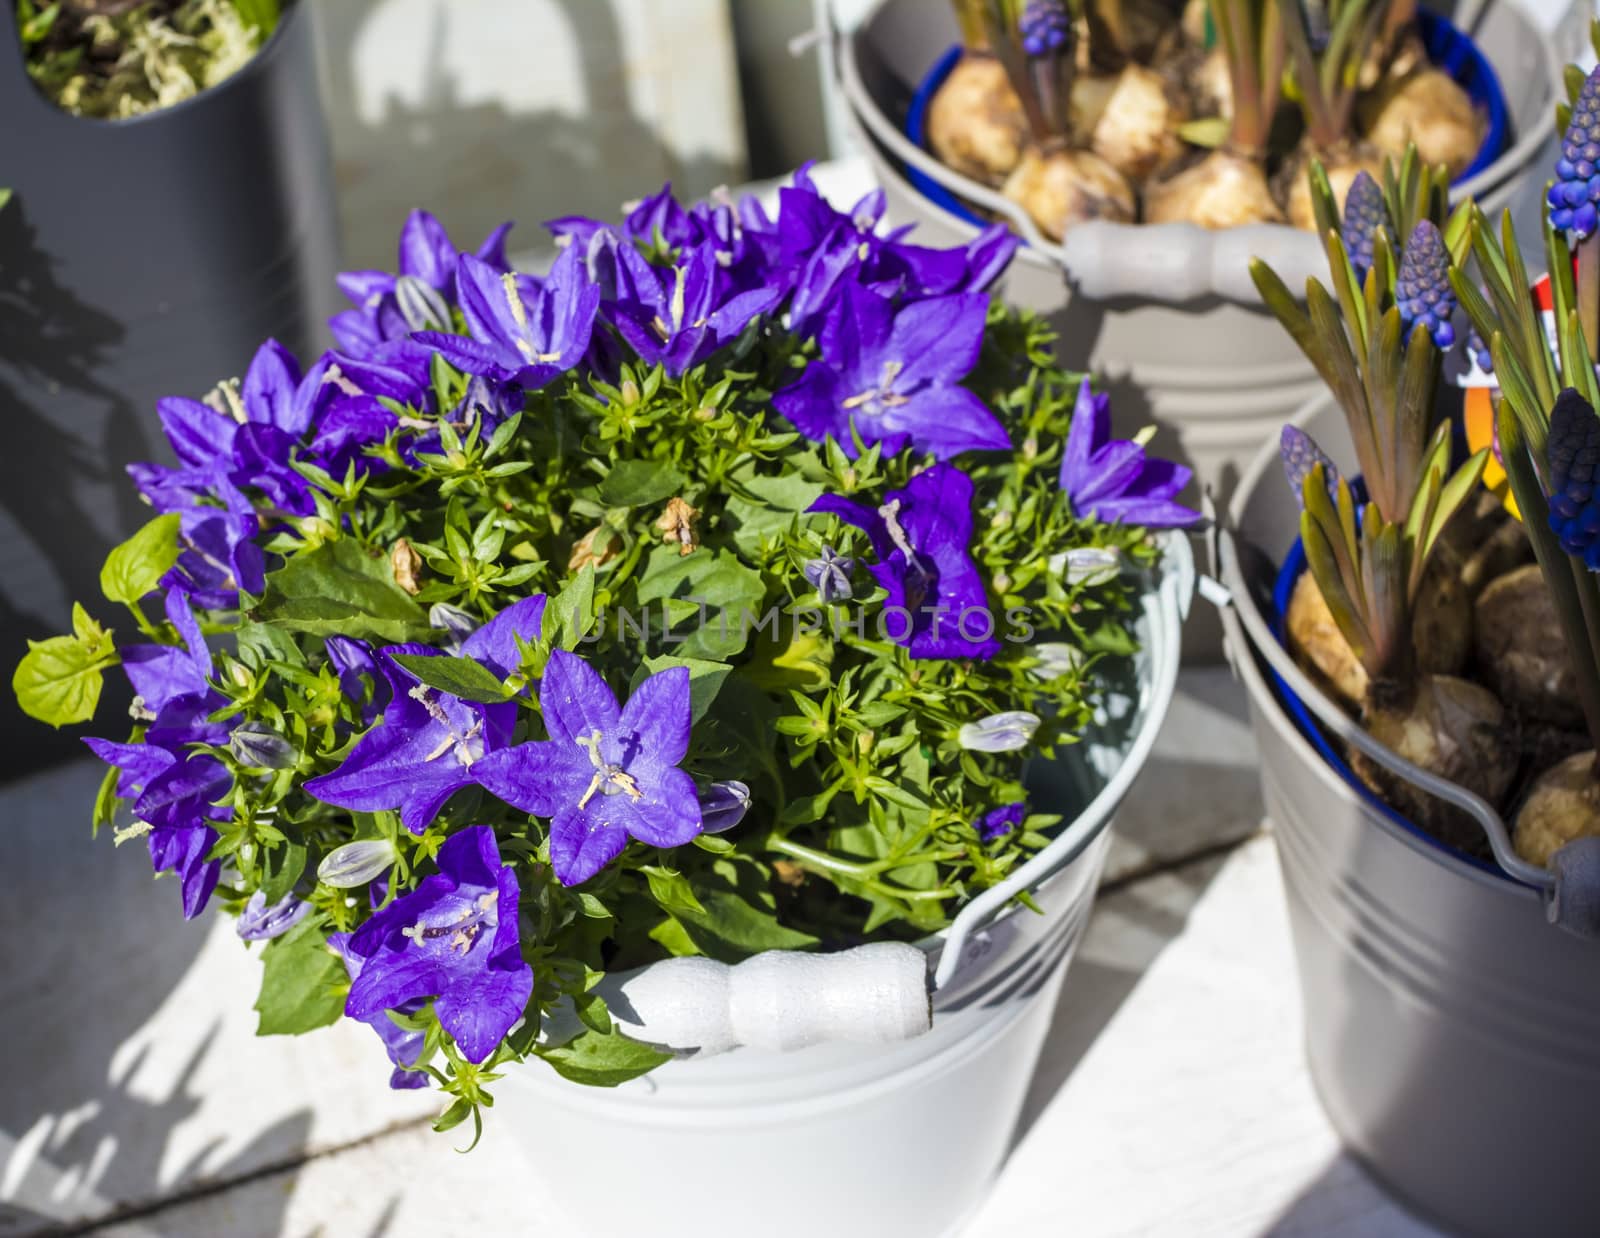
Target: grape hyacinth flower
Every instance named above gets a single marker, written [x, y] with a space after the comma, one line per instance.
[1573, 453]
[259, 922]
[1478, 350]
[428, 743]
[519, 335]
[829, 573]
[1365, 215]
[893, 378]
[1300, 454]
[454, 939]
[1422, 286]
[1045, 27]
[1113, 480]
[998, 822]
[607, 773]
[1576, 191]
[920, 535]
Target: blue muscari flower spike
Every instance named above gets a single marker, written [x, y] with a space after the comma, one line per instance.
[1573, 453]
[1365, 214]
[1479, 348]
[1577, 187]
[1044, 26]
[1422, 288]
[1300, 453]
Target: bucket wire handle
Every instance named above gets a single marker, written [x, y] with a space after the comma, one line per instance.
[1164, 610]
[1264, 643]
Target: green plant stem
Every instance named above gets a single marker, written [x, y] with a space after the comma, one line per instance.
[1589, 293]
[864, 871]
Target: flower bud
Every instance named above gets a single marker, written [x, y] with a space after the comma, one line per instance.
[355, 864]
[260, 747]
[1004, 732]
[830, 573]
[722, 806]
[1090, 565]
[454, 622]
[258, 922]
[421, 305]
[1055, 659]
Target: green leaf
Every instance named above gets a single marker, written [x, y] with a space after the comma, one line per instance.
[603, 1061]
[262, 15]
[634, 483]
[58, 680]
[705, 679]
[717, 581]
[462, 677]
[592, 1012]
[569, 616]
[136, 567]
[772, 505]
[672, 938]
[303, 984]
[291, 863]
[340, 589]
[672, 891]
[732, 928]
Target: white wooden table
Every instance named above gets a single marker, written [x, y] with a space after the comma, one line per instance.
[1171, 1098]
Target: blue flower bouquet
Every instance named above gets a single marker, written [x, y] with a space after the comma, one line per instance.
[704, 596]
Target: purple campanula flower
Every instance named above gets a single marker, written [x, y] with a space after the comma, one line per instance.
[661, 216]
[428, 256]
[161, 674]
[428, 742]
[522, 332]
[998, 822]
[453, 939]
[672, 316]
[1002, 732]
[1422, 285]
[1112, 480]
[258, 922]
[360, 677]
[1576, 191]
[219, 555]
[920, 535]
[894, 378]
[403, 1045]
[606, 773]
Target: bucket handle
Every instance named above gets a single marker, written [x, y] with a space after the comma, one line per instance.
[1263, 643]
[1164, 610]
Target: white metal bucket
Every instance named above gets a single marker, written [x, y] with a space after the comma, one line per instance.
[867, 1140]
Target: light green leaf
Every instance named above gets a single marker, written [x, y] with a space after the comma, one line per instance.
[136, 567]
[339, 589]
[634, 483]
[672, 891]
[462, 677]
[303, 984]
[602, 1061]
[569, 616]
[733, 927]
[59, 679]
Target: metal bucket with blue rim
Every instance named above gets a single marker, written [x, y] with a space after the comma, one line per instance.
[1452, 1031]
[1167, 314]
[863, 1140]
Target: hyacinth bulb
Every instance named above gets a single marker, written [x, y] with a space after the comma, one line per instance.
[1045, 27]
[1365, 215]
[1573, 451]
[1577, 186]
[1422, 287]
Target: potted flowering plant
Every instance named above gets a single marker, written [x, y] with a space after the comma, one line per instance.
[1146, 160]
[694, 647]
[220, 231]
[1443, 683]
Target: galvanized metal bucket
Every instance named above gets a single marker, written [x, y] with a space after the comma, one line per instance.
[860, 1141]
[1452, 1032]
[138, 259]
[1165, 315]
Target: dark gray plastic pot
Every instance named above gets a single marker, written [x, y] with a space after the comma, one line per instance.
[1452, 1032]
[138, 259]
